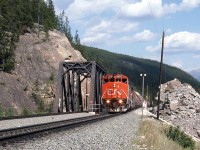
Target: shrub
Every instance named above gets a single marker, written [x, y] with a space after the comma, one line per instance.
[180, 137]
[41, 106]
[50, 108]
[1, 111]
[26, 112]
[9, 112]
[52, 77]
[37, 85]
[39, 102]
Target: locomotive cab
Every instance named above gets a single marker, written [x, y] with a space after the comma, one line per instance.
[115, 91]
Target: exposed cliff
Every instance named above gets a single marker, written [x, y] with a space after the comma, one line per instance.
[34, 77]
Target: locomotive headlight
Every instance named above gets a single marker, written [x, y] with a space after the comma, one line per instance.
[120, 101]
[108, 101]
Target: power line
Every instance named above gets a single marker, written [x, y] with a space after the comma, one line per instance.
[153, 17]
[154, 21]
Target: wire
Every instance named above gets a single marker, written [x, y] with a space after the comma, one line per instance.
[154, 21]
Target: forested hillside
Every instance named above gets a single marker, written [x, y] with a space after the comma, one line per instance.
[16, 18]
[133, 67]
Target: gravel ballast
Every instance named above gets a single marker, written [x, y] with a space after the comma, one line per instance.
[6, 124]
[110, 134]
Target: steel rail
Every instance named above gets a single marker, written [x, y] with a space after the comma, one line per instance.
[7, 134]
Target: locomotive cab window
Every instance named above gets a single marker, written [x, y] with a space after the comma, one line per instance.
[105, 81]
[124, 80]
[118, 79]
[112, 79]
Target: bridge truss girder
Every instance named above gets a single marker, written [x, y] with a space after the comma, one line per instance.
[69, 82]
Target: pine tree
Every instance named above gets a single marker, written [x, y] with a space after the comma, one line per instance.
[69, 35]
[63, 26]
[10, 32]
[52, 16]
[76, 38]
[26, 18]
[61, 22]
[35, 9]
[67, 30]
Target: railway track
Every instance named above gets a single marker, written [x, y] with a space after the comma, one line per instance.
[14, 133]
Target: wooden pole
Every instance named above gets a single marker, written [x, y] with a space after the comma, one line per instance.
[147, 96]
[160, 77]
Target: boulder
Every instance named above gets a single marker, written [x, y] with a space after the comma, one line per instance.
[181, 106]
[198, 133]
[173, 104]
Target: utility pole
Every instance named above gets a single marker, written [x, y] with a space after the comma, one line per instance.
[160, 77]
[86, 93]
[142, 75]
[147, 96]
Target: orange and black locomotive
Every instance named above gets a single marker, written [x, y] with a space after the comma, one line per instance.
[115, 93]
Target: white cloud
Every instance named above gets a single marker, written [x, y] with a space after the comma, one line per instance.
[105, 29]
[185, 5]
[177, 64]
[112, 26]
[142, 9]
[62, 4]
[180, 42]
[79, 9]
[83, 8]
[143, 36]
[97, 39]
[152, 49]
[196, 56]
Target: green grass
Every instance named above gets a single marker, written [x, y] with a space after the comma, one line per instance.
[151, 135]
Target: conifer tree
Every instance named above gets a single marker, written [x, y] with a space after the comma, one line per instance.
[11, 13]
[63, 26]
[61, 22]
[67, 30]
[76, 38]
[26, 18]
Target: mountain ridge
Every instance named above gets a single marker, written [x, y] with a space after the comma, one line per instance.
[133, 67]
[195, 74]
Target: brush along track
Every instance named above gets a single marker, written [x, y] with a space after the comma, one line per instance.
[9, 134]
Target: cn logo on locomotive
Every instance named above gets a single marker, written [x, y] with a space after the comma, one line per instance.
[113, 92]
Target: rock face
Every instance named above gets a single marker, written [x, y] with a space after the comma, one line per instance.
[181, 106]
[37, 63]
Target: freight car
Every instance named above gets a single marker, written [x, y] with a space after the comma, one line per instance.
[116, 93]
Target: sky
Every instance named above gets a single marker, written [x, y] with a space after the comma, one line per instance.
[135, 27]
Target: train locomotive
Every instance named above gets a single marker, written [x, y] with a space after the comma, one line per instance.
[115, 93]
